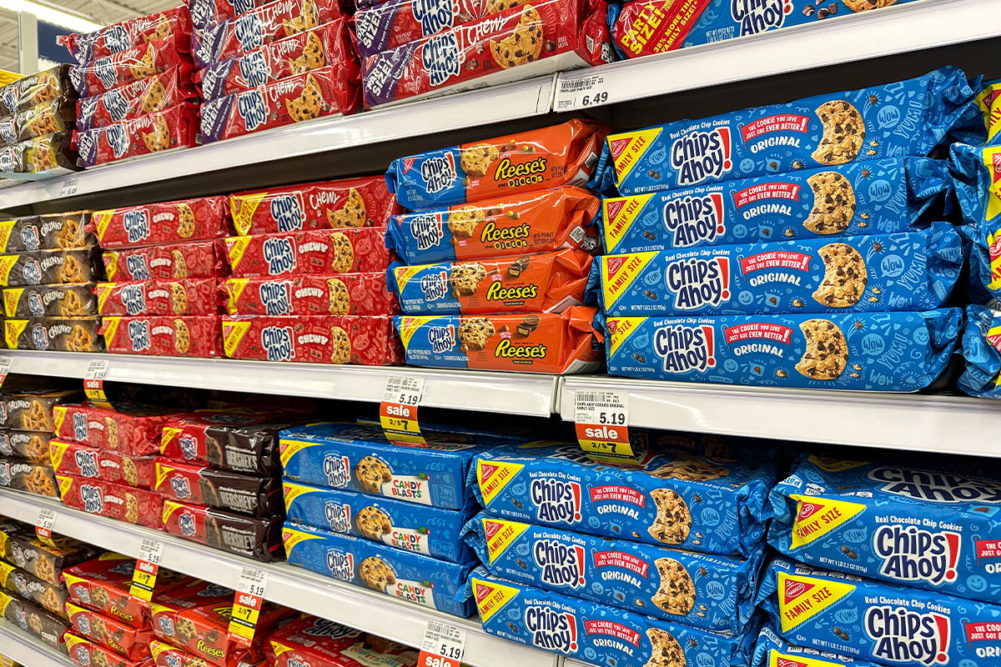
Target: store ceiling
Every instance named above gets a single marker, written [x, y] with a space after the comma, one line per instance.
[99, 11]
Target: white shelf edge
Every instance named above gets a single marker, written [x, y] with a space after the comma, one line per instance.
[495, 104]
[27, 649]
[913, 422]
[510, 393]
[287, 585]
[888, 31]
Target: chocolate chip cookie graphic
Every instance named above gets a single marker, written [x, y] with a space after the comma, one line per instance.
[185, 221]
[462, 222]
[155, 97]
[476, 160]
[185, 631]
[673, 521]
[692, 470]
[474, 333]
[182, 337]
[845, 276]
[844, 132]
[373, 523]
[39, 481]
[129, 471]
[465, 278]
[312, 55]
[340, 345]
[352, 214]
[866, 5]
[178, 298]
[344, 254]
[372, 473]
[340, 298]
[523, 45]
[676, 594]
[37, 418]
[376, 573]
[826, 353]
[833, 203]
[111, 433]
[131, 508]
[665, 651]
[309, 103]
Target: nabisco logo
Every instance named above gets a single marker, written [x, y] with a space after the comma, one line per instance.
[427, 230]
[253, 69]
[134, 299]
[694, 220]
[434, 15]
[136, 223]
[438, 172]
[901, 635]
[139, 335]
[697, 283]
[434, 286]
[936, 487]
[276, 297]
[685, 348]
[442, 58]
[287, 211]
[699, 156]
[441, 338]
[912, 554]
[556, 501]
[252, 110]
[277, 343]
[754, 16]
[560, 564]
[551, 630]
[279, 254]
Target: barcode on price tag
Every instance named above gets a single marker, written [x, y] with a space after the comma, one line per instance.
[442, 646]
[398, 410]
[247, 605]
[146, 569]
[601, 421]
[44, 525]
[581, 92]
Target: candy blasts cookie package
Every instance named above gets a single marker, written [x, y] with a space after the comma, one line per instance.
[877, 621]
[564, 154]
[194, 296]
[878, 197]
[906, 271]
[896, 351]
[313, 251]
[772, 651]
[199, 219]
[152, 93]
[701, 590]
[164, 336]
[116, 501]
[907, 118]
[173, 127]
[687, 502]
[319, 339]
[598, 633]
[54, 333]
[429, 582]
[333, 294]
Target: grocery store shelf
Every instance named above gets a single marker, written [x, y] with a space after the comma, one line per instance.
[912, 422]
[287, 585]
[26, 649]
[507, 393]
[858, 37]
[490, 105]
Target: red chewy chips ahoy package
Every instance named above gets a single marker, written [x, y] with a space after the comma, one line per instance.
[159, 131]
[71, 458]
[352, 202]
[313, 251]
[336, 294]
[191, 336]
[120, 36]
[193, 296]
[369, 341]
[138, 98]
[165, 222]
[198, 259]
[133, 430]
[330, 44]
[133, 64]
[206, 12]
[328, 91]
[117, 501]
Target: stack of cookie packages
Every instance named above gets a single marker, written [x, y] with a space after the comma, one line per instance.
[25, 432]
[47, 276]
[164, 267]
[136, 92]
[37, 115]
[788, 245]
[273, 64]
[32, 590]
[308, 274]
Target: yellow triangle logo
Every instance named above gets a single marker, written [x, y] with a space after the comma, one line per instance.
[816, 517]
[235, 247]
[57, 450]
[6, 227]
[628, 148]
[233, 332]
[619, 329]
[802, 598]
[500, 534]
[619, 214]
[110, 264]
[109, 329]
[12, 331]
[776, 659]
[11, 297]
[103, 292]
[619, 272]
[491, 597]
[234, 288]
[243, 207]
[162, 470]
[493, 476]
[6, 264]
[409, 326]
[101, 221]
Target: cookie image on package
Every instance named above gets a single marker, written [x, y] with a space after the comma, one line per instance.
[144, 67]
[154, 97]
[372, 473]
[844, 132]
[692, 470]
[474, 333]
[37, 418]
[178, 299]
[129, 472]
[524, 45]
[111, 432]
[50, 601]
[463, 222]
[340, 345]
[866, 5]
[182, 337]
[352, 214]
[72, 305]
[373, 523]
[376, 573]
[131, 508]
[665, 651]
[465, 278]
[845, 276]
[476, 160]
[180, 266]
[340, 298]
[308, 19]
[833, 203]
[40, 483]
[344, 253]
[37, 449]
[826, 352]
[185, 630]
[101, 598]
[308, 104]
[312, 56]
[71, 271]
[69, 235]
[185, 221]
[676, 594]
[159, 138]
[673, 521]
[79, 339]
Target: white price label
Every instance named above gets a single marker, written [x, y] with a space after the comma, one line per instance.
[69, 186]
[601, 408]
[5, 364]
[444, 640]
[602, 425]
[96, 370]
[581, 92]
[403, 389]
[253, 581]
[46, 520]
[151, 551]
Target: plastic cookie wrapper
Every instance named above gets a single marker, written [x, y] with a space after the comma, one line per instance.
[28, 445]
[131, 429]
[771, 649]
[34, 89]
[22, 475]
[333, 294]
[54, 333]
[172, 127]
[152, 93]
[116, 501]
[32, 409]
[175, 261]
[51, 597]
[193, 296]
[72, 458]
[68, 301]
[334, 339]
[49, 231]
[229, 491]
[314, 251]
[33, 619]
[139, 61]
[50, 267]
[164, 336]
[258, 538]
[56, 115]
[120, 36]
[196, 219]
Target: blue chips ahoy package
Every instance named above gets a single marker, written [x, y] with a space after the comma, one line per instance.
[597, 633]
[906, 271]
[903, 118]
[874, 351]
[409, 576]
[872, 620]
[910, 526]
[773, 651]
[877, 197]
[431, 531]
[684, 501]
[981, 349]
[359, 458]
[701, 590]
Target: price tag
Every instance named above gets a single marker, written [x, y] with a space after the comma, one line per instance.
[398, 410]
[147, 566]
[581, 92]
[602, 424]
[247, 605]
[43, 526]
[5, 364]
[93, 383]
[442, 646]
[68, 187]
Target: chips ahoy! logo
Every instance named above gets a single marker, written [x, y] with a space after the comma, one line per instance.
[912, 554]
[249, 32]
[426, 228]
[253, 69]
[434, 15]
[116, 38]
[936, 487]
[279, 255]
[117, 139]
[137, 267]
[139, 335]
[287, 211]
[434, 285]
[698, 282]
[86, 463]
[250, 106]
[560, 564]
[901, 635]
[442, 58]
[551, 630]
[438, 172]
[754, 16]
[556, 501]
[694, 220]
[441, 339]
[277, 342]
[136, 223]
[116, 104]
[93, 501]
[275, 298]
[105, 70]
[699, 156]
[685, 348]
[341, 565]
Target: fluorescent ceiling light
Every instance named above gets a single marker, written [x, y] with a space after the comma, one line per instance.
[52, 15]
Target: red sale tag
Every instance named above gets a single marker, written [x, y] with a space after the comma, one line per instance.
[247, 606]
[442, 646]
[93, 383]
[601, 419]
[5, 364]
[398, 411]
[146, 569]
